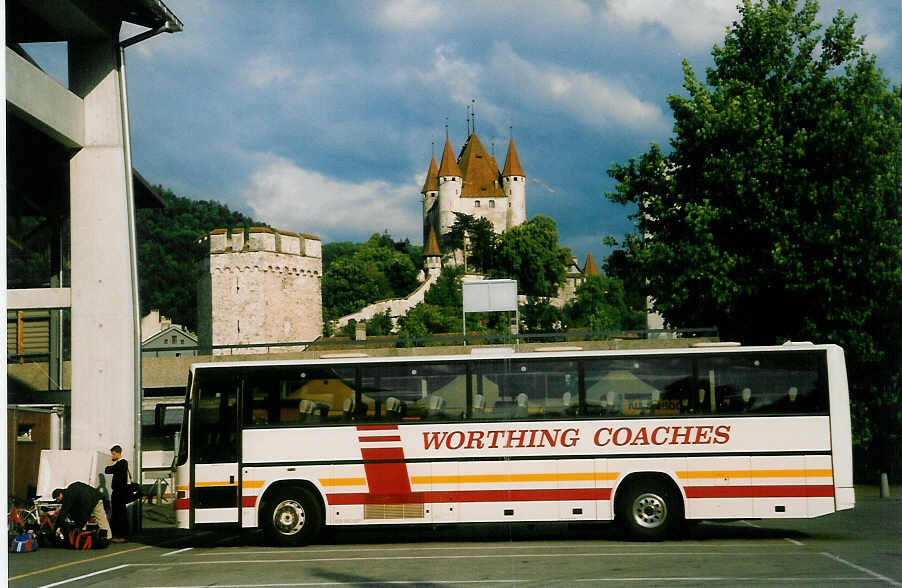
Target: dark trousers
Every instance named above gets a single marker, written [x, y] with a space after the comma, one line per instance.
[118, 516]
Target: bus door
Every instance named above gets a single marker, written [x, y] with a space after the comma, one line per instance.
[215, 475]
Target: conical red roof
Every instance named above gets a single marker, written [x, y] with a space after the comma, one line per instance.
[512, 165]
[432, 249]
[449, 163]
[591, 269]
[431, 183]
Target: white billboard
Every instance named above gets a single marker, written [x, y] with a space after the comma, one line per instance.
[490, 295]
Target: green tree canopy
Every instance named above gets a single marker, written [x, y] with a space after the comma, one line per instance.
[378, 269]
[775, 215]
[530, 253]
[481, 241]
[601, 305]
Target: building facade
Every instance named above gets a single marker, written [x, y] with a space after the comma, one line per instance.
[71, 195]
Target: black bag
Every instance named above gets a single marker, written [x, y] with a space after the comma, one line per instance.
[132, 492]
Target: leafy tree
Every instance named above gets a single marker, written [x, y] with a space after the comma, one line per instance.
[776, 213]
[359, 275]
[530, 253]
[168, 251]
[337, 250]
[601, 305]
[482, 241]
[379, 325]
[541, 316]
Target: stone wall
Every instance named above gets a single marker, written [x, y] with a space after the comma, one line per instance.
[263, 287]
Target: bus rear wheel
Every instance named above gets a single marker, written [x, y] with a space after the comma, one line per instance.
[292, 516]
[649, 510]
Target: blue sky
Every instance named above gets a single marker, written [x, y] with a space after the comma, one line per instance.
[319, 117]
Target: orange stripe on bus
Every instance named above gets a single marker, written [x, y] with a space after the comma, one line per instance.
[329, 482]
[213, 484]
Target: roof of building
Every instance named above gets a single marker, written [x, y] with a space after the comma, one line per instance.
[479, 171]
[71, 20]
[157, 338]
[512, 165]
[591, 269]
[431, 183]
[432, 249]
[449, 165]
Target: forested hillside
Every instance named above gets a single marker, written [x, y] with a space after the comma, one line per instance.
[168, 251]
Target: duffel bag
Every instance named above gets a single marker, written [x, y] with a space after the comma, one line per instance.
[24, 542]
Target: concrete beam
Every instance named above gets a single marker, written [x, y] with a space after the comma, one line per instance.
[35, 298]
[42, 102]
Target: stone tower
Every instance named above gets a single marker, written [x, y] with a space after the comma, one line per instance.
[265, 288]
[472, 184]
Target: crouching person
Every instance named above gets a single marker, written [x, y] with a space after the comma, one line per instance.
[80, 502]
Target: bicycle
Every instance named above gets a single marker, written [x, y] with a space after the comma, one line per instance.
[30, 515]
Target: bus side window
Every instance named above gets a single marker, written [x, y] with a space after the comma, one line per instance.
[414, 392]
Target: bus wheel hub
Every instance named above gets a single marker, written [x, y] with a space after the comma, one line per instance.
[650, 510]
[288, 517]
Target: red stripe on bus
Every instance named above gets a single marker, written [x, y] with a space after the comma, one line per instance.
[182, 504]
[376, 439]
[758, 491]
[471, 496]
[249, 501]
[377, 427]
[383, 453]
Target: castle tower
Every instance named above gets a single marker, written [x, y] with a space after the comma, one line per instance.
[430, 200]
[432, 254]
[472, 184]
[265, 289]
[449, 187]
[514, 183]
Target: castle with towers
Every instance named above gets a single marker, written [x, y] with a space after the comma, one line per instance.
[266, 285]
[472, 184]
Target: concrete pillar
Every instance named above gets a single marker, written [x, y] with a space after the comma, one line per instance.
[103, 331]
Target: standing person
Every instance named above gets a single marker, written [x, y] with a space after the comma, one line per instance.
[80, 502]
[119, 468]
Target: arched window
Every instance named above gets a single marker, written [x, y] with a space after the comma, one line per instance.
[477, 204]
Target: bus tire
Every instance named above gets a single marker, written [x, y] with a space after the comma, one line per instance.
[292, 516]
[649, 510]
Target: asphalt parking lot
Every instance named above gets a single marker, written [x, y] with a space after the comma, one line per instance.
[862, 547]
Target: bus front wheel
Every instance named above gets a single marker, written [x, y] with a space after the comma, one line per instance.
[292, 516]
[649, 510]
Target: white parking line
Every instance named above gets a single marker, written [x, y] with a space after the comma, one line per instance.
[794, 542]
[179, 551]
[61, 582]
[889, 581]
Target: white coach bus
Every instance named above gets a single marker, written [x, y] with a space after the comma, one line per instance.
[650, 438]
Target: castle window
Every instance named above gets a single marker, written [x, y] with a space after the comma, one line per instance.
[477, 204]
[491, 204]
